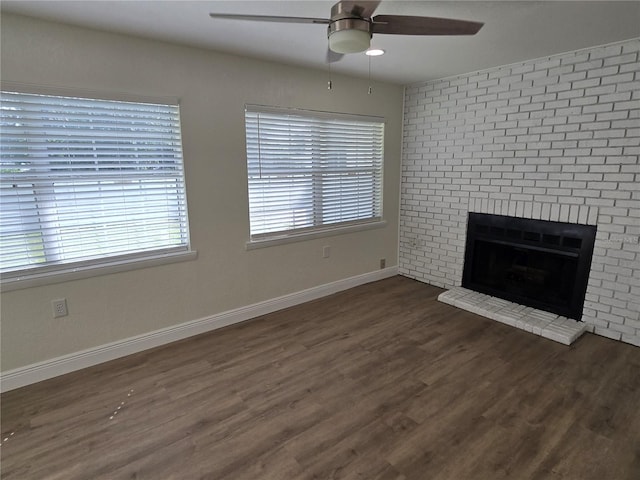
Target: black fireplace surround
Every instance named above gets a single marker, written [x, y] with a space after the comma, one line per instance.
[537, 263]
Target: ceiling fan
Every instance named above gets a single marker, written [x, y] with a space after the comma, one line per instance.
[351, 25]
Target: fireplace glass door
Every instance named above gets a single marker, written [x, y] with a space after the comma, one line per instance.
[532, 262]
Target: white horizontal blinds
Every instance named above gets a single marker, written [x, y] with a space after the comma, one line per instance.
[312, 170]
[83, 179]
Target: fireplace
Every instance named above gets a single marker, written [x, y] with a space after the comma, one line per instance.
[537, 263]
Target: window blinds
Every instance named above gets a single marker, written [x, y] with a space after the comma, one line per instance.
[85, 179]
[311, 170]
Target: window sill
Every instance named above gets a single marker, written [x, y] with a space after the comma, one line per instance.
[29, 280]
[328, 232]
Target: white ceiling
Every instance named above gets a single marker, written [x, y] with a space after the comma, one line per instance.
[514, 31]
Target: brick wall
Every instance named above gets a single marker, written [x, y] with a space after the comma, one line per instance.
[556, 138]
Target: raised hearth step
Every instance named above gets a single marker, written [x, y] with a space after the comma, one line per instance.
[548, 325]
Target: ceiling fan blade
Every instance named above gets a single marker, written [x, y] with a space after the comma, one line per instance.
[408, 25]
[362, 9]
[269, 18]
[333, 56]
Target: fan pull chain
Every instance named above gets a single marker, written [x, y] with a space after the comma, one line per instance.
[369, 91]
[329, 84]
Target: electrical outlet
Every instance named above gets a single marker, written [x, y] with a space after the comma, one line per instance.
[383, 262]
[326, 251]
[59, 308]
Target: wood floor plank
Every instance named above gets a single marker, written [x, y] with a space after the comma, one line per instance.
[377, 382]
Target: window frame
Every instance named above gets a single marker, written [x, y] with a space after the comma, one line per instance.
[264, 239]
[50, 273]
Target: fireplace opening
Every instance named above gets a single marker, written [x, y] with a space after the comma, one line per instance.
[537, 263]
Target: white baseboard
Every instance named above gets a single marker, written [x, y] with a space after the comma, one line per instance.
[37, 372]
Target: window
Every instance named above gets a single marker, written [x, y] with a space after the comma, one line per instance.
[312, 171]
[85, 181]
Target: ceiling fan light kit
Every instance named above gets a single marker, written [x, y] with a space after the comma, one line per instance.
[349, 35]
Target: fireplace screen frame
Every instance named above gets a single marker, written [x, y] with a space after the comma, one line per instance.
[574, 242]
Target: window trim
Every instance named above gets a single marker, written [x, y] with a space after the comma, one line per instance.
[341, 229]
[268, 239]
[95, 269]
[64, 272]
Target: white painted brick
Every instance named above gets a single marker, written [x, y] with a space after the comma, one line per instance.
[583, 215]
[632, 339]
[620, 59]
[603, 52]
[606, 332]
[574, 58]
[556, 137]
[631, 67]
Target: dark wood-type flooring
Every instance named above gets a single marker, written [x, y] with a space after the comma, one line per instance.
[378, 382]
